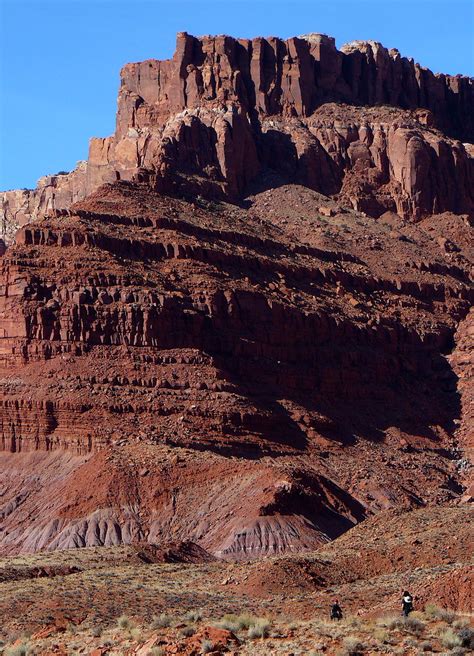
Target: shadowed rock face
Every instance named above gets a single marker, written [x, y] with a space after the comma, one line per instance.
[223, 112]
[255, 376]
[256, 380]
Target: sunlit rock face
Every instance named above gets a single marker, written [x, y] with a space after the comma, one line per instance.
[244, 322]
[223, 111]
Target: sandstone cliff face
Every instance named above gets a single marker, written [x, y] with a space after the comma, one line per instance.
[242, 107]
[223, 112]
[257, 380]
[291, 78]
[21, 206]
[256, 376]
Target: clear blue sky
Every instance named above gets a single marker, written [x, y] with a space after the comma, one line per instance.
[60, 59]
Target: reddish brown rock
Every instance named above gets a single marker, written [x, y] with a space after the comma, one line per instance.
[220, 641]
[143, 333]
[453, 589]
[22, 206]
[144, 649]
[224, 112]
[253, 378]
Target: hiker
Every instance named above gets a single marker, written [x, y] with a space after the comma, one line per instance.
[336, 611]
[407, 603]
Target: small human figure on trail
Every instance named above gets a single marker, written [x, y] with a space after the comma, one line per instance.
[336, 611]
[407, 603]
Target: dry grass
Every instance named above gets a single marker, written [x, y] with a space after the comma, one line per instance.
[187, 631]
[260, 628]
[450, 639]
[123, 605]
[206, 646]
[18, 650]
[351, 637]
[436, 612]
[352, 646]
[161, 621]
[193, 616]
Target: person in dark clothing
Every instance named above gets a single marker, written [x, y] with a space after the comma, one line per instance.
[336, 611]
[407, 603]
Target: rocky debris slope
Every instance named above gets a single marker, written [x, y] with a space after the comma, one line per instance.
[369, 565]
[87, 590]
[224, 111]
[462, 361]
[256, 380]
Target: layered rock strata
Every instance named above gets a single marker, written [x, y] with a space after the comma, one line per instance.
[255, 380]
[244, 321]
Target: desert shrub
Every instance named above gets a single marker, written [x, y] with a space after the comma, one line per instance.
[461, 623]
[426, 646]
[381, 635]
[460, 633]
[245, 621]
[96, 631]
[431, 610]
[193, 616]
[259, 628]
[229, 623]
[156, 651]
[161, 621]
[124, 622]
[450, 639]
[409, 624]
[414, 625]
[352, 647]
[187, 631]
[391, 622]
[466, 635]
[354, 622]
[136, 633]
[236, 623]
[18, 650]
[447, 615]
[436, 612]
[206, 646]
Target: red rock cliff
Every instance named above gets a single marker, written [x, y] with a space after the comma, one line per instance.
[223, 112]
[256, 377]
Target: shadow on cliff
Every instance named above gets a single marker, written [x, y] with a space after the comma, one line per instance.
[305, 377]
[363, 411]
[282, 163]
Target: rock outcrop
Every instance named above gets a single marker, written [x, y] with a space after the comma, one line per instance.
[254, 380]
[245, 318]
[21, 206]
[223, 112]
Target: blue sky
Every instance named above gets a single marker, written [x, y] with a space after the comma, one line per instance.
[60, 59]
